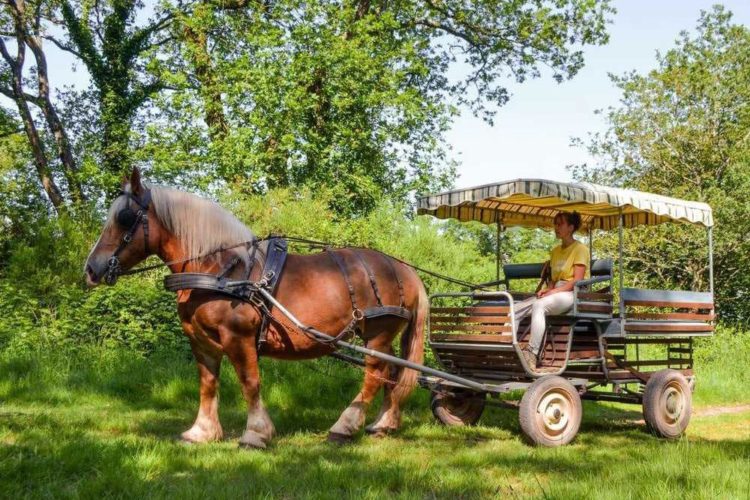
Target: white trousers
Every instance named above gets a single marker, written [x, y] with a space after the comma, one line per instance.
[557, 303]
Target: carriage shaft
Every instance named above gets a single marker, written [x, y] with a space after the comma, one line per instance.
[371, 352]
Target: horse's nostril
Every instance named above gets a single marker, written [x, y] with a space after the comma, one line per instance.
[91, 277]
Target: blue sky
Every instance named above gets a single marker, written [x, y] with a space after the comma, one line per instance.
[531, 135]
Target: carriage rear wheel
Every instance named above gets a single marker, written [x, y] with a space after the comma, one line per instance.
[667, 404]
[459, 407]
[550, 411]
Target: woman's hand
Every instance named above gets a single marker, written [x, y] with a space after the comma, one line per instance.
[545, 292]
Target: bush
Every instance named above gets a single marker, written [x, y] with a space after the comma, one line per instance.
[45, 305]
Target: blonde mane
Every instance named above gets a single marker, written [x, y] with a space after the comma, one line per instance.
[200, 224]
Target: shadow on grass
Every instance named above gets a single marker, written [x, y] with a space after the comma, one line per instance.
[302, 397]
[52, 458]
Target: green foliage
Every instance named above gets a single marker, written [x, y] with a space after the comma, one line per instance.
[421, 241]
[681, 130]
[45, 306]
[348, 96]
[723, 355]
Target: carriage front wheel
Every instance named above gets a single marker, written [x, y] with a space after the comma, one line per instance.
[667, 403]
[459, 407]
[550, 411]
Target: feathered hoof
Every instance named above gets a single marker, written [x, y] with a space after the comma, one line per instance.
[339, 439]
[196, 436]
[379, 432]
[252, 440]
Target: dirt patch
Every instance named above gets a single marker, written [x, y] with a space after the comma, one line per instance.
[713, 411]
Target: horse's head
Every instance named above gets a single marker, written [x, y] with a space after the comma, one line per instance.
[128, 236]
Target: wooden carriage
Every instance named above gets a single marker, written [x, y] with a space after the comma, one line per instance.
[615, 344]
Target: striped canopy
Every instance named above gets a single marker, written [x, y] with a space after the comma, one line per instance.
[535, 202]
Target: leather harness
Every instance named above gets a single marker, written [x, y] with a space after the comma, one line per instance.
[273, 264]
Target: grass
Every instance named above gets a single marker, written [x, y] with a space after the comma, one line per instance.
[104, 424]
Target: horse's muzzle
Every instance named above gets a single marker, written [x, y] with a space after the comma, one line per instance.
[92, 277]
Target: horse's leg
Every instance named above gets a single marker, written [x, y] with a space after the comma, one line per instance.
[243, 355]
[207, 426]
[389, 418]
[401, 381]
[353, 417]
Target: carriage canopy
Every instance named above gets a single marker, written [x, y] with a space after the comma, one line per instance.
[535, 202]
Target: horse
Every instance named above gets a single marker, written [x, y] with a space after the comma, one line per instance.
[192, 234]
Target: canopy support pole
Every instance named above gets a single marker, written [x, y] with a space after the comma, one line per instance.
[711, 259]
[591, 245]
[497, 251]
[619, 264]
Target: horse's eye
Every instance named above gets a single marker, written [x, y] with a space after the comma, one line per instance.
[126, 218]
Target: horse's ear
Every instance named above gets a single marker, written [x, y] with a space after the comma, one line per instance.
[135, 182]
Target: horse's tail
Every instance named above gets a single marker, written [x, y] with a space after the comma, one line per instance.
[412, 346]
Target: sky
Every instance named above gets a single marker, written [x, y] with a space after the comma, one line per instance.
[532, 133]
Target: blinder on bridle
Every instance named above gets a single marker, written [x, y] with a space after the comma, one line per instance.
[126, 217]
[129, 219]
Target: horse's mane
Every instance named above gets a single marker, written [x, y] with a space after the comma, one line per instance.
[201, 225]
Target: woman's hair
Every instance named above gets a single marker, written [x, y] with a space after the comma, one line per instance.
[574, 219]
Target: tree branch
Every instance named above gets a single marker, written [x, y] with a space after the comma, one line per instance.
[35, 100]
[63, 47]
[140, 37]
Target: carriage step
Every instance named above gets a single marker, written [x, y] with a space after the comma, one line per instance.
[589, 361]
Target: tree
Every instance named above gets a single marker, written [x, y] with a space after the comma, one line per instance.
[13, 87]
[351, 94]
[684, 130]
[276, 93]
[113, 47]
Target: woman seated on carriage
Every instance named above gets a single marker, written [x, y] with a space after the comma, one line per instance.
[569, 263]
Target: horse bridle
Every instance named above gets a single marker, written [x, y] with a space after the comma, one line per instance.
[127, 217]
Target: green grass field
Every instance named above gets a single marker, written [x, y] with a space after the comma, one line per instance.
[100, 425]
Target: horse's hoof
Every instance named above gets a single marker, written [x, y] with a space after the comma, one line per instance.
[191, 437]
[252, 440]
[379, 432]
[340, 439]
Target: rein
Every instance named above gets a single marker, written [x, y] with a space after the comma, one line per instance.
[313, 244]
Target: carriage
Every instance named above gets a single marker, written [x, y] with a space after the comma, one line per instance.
[619, 344]
[247, 299]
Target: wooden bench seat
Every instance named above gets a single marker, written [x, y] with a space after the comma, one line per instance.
[666, 312]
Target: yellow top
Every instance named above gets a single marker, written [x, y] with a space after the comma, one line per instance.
[562, 261]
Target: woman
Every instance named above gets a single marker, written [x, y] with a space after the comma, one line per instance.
[569, 263]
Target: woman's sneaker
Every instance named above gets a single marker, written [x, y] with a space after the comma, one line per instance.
[530, 358]
[533, 364]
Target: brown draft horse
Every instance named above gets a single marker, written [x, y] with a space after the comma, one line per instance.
[179, 225]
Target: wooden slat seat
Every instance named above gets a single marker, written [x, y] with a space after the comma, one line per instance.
[481, 324]
[667, 312]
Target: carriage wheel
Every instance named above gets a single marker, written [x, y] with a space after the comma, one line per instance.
[459, 407]
[550, 411]
[667, 404]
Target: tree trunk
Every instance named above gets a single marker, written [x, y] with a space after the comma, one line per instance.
[196, 39]
[37, 149]
[53, 121]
